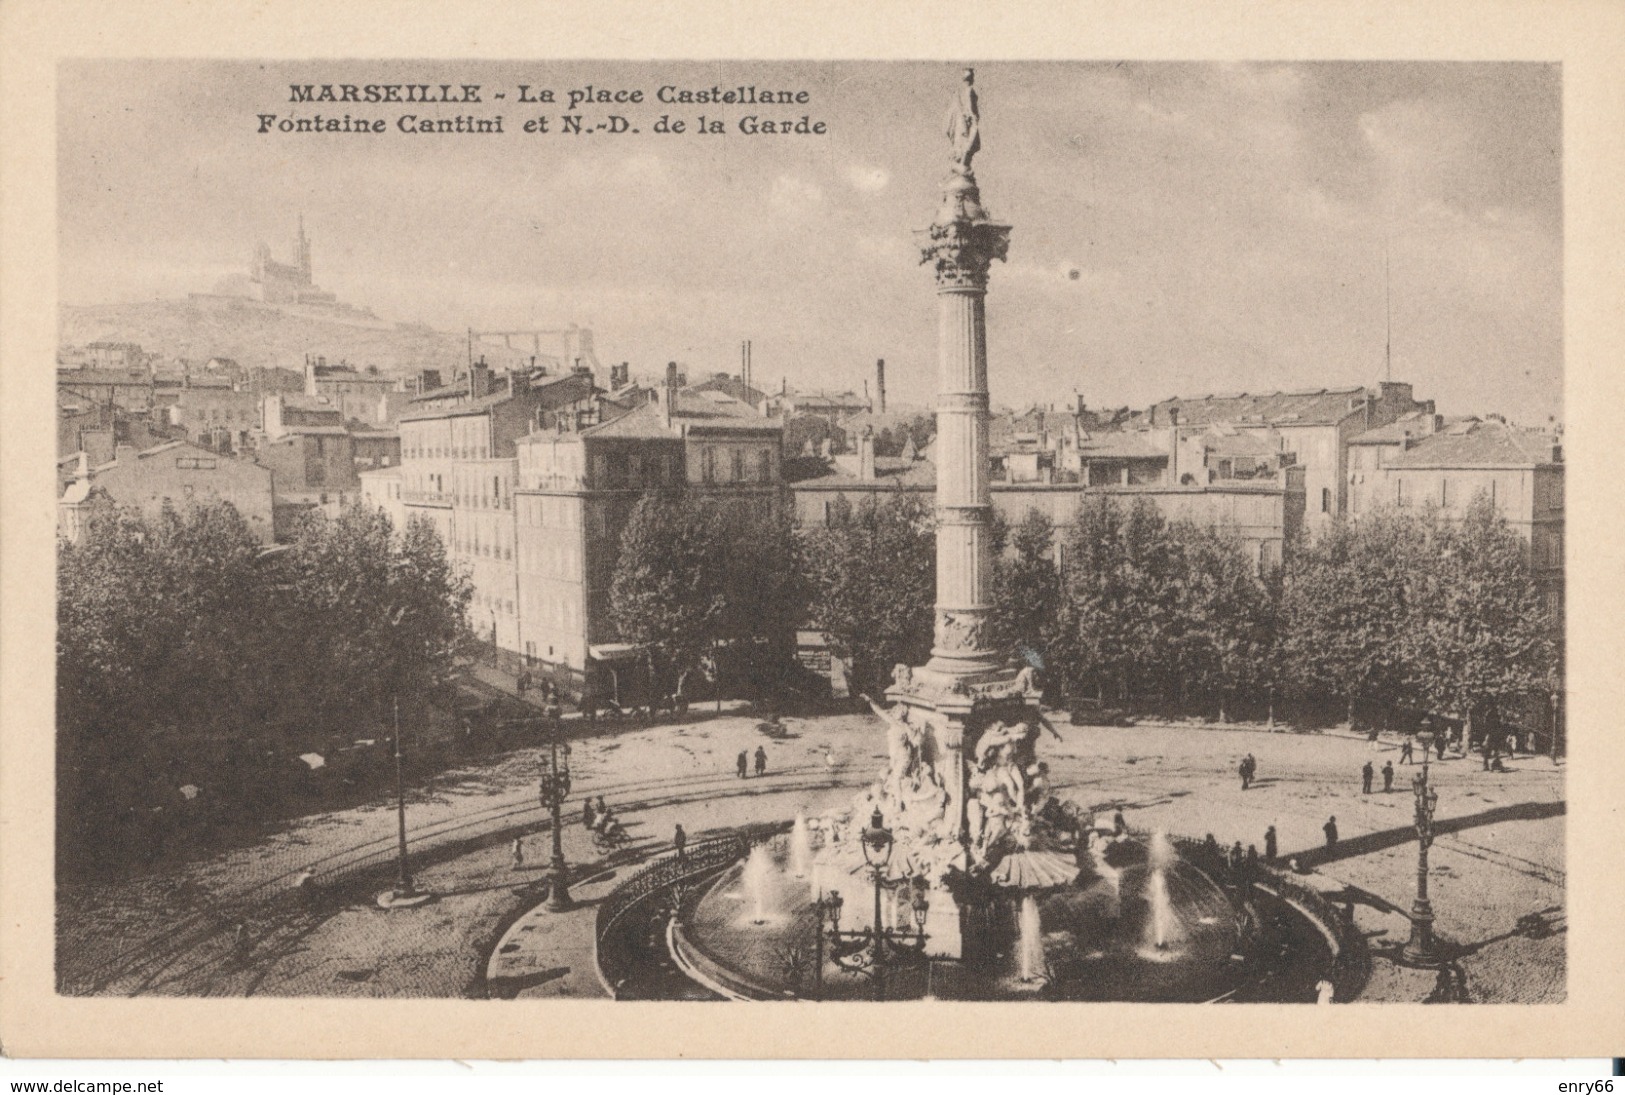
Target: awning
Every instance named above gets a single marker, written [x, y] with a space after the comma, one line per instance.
[616, 652]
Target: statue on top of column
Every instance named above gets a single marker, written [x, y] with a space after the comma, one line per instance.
[964, 123]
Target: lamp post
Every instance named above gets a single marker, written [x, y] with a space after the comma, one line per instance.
[553, 789]
[870, 950]
[405, 895]
[1420, 950]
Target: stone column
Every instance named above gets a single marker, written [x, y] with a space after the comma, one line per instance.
[961, 243]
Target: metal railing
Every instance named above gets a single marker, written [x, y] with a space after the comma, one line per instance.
[699, 858]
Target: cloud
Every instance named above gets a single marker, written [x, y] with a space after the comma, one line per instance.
[868, 180]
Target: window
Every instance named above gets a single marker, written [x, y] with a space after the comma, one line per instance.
[708, 466]
[1399, 492]
[1325, 499]
[1444, 490]
[764, 465]
[738, 468]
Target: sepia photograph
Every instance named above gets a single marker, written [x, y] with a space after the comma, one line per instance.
[1012, 531]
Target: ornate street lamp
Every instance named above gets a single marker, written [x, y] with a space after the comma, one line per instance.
[870, 950]
[1421, 949]
[553, 789]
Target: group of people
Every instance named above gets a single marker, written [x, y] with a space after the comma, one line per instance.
[1248, 770]
[1407, 748]
[597, 818]
[1368, 774]
[742, 763]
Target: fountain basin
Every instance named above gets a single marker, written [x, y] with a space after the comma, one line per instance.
[1095, 939]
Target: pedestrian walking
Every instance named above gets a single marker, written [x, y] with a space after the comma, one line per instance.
[829, 762]
[518, 852]
[1235, 855]
[1119, 826]
[601, 809]
[1252, 768]
[1270, 847]
[1252, 857]
[1439, 741]
[1387, 777]
[679, 840]
[1330, 829]
[1405, 750]
[587, 813]
[742, 763]
[1366, 775]
[761, 761]
[1241, 770]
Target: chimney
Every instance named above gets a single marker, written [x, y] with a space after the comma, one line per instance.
[1173, 446]
[880, 385]
[668, 394]
[479, 379]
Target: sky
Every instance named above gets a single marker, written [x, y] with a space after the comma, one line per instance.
[1178, 229]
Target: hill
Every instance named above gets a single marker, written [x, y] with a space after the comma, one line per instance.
[253, 333]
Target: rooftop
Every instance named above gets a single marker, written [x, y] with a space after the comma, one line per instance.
[1121, 445]
[552, 391]
[732, 386]
[1472, 443]
[1312, 407]
[704, 409]
[1414, 424]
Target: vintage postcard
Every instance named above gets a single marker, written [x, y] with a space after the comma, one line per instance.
[973, 546]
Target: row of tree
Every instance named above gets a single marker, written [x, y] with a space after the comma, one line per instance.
[1394, 612]
[188, 654]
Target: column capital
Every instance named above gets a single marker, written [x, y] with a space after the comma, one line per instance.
[962, 250]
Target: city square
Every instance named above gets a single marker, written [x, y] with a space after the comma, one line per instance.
[1174, 776]
[692, 692]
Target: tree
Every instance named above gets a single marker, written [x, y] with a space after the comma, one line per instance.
[1225, 647]
[184, 657]
[1346, 609]
[1480, 639]
[668, 589]
[873, 578]
[1026, 589]
[764, 593]
[1119, 588]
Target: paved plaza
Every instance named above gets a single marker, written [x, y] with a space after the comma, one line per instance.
[234, 924]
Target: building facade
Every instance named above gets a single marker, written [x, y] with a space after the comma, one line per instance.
[1311, 428]
[177, 474]
[576, 492]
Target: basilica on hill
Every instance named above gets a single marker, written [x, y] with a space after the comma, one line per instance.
[287, 283]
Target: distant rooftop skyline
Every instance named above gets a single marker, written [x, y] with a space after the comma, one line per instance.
[1179, 229]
